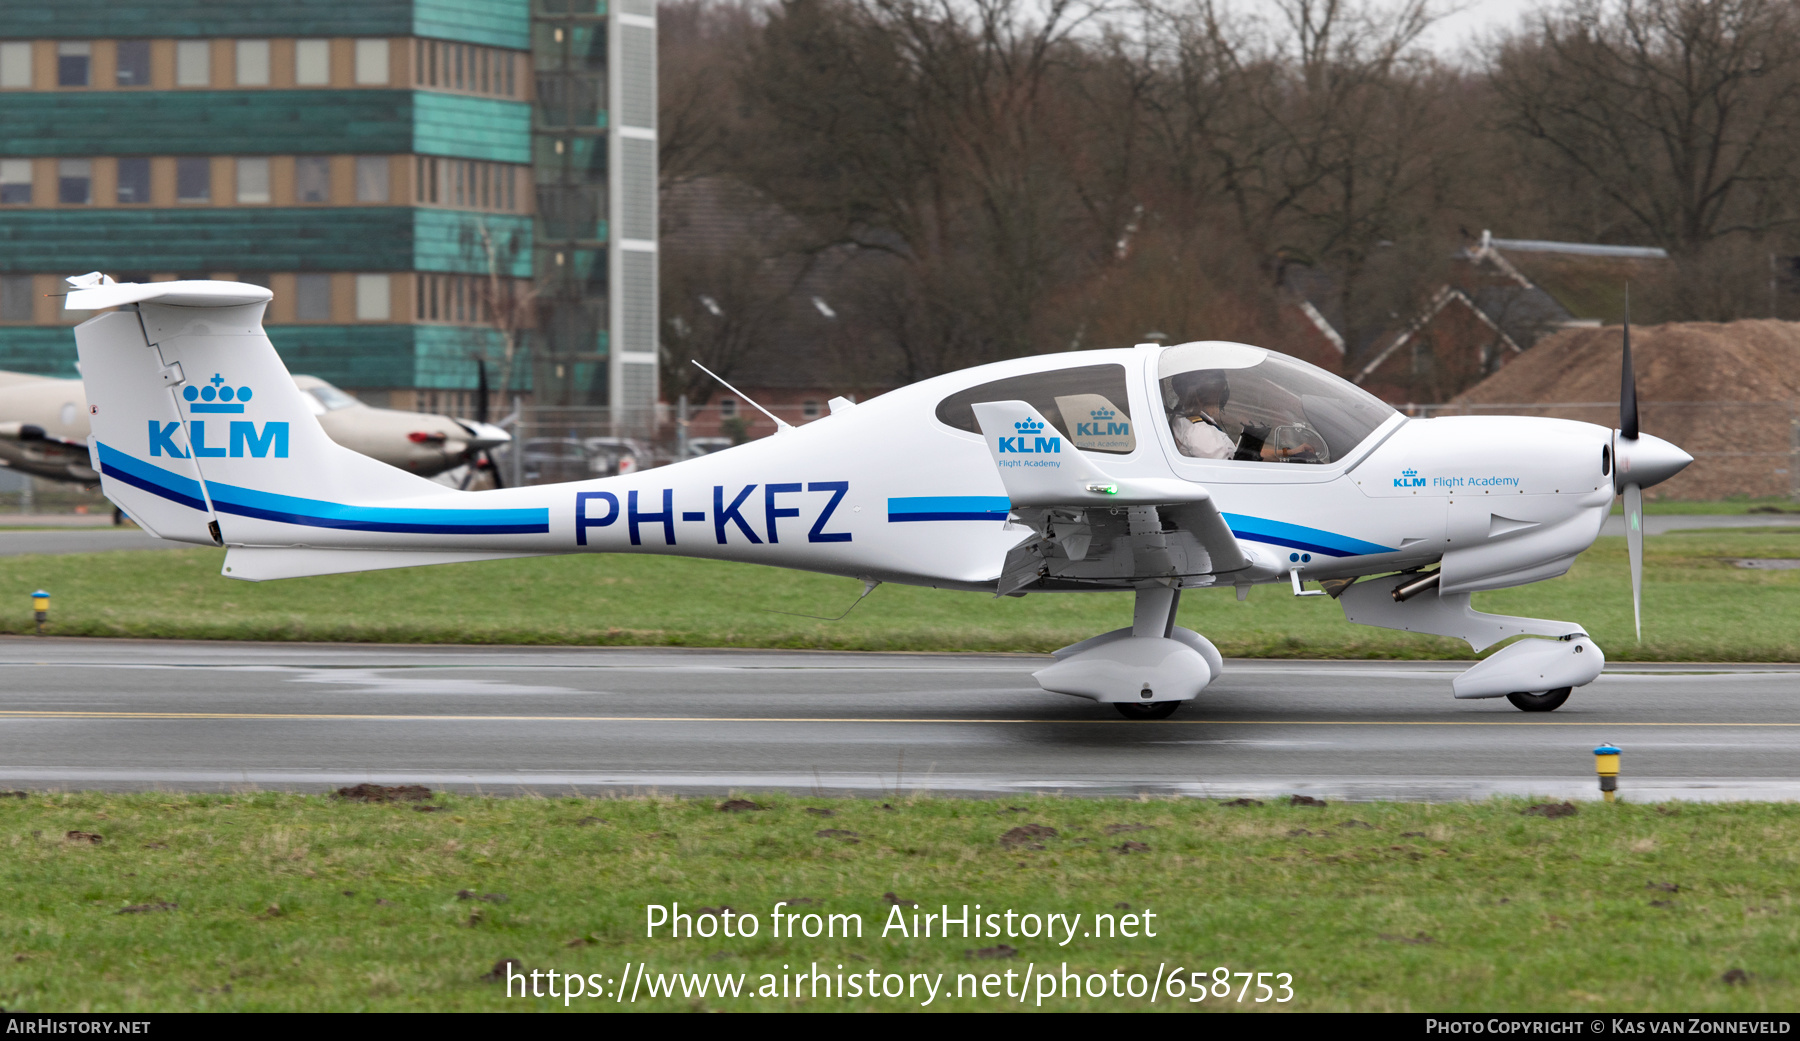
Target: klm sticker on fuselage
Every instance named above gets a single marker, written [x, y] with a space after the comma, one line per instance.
[242, 437]
[733, 518]
[1409, 479]
[1029, 440]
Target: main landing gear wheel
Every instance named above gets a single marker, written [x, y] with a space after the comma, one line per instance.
[1548, 701]
[1155, 709]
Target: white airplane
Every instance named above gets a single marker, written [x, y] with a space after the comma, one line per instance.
[1153, 469]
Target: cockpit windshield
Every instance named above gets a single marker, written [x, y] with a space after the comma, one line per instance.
[332, 398]
[1232, 401]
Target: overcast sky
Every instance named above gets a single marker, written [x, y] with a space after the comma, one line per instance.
[1452, 34]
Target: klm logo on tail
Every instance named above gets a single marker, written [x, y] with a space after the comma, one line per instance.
[243, 436]
[1028, 442]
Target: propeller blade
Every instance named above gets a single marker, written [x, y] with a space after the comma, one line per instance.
[1634, 544]
[1628, 409]
[493, 468]
[481, 391]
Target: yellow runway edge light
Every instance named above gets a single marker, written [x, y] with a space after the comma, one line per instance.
[1606, 764]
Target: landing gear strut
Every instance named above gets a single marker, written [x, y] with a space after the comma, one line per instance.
[1548, 701]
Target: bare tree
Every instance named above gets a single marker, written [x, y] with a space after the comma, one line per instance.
[503, 303]
[1682, 113]
[922, 129]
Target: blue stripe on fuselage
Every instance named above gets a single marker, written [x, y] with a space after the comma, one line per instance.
[948, 508]
[1295, 536]
[151, 478]
[287, 509]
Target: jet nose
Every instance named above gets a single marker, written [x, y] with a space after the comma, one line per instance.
[1646, 460]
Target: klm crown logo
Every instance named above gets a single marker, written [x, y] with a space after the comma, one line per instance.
[1103, 422]
[216, 396]
[242, 437]
[1409, 478]
[1029, 441]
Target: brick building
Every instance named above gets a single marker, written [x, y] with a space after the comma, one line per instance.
[400, 172]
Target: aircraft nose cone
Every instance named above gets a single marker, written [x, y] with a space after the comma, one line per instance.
[1647, 460]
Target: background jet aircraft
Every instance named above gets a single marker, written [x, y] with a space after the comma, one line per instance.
[44, 429]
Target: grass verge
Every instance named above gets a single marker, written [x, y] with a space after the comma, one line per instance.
[262, 901]
[1697, 606]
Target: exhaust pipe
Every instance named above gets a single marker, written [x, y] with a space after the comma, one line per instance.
[1407, 590]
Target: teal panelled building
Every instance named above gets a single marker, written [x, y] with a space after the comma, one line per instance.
[422, 183]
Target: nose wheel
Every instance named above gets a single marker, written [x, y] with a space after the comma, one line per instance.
[1151, 709]
[1548, 701]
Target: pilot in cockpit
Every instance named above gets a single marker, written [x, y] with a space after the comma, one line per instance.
[1204, 430]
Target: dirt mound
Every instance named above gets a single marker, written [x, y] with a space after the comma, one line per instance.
[1680, 361]
[1726, 393]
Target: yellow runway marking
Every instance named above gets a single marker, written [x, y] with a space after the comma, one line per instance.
[371, 718]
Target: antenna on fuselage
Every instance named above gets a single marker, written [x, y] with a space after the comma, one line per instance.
[780, 424]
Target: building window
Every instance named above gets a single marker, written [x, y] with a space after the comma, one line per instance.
[810, 410]
[371, 63]
[457, 66]
[371, 178]
[15, 65]
[193, 63]
[312, 178]
[74, 62]
[312, 63]
[134, 181]
[15, 182]
[15, 298]
[133, 63]
[312, 298]
[75, 182]
[193, 179]
[252, 180]
[728, 408]
[253, 63]
[372, 298]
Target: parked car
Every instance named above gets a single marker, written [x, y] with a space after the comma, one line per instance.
[609, 456]
[699, 446]
[550, 460]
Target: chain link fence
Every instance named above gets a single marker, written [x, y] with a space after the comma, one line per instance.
[552, 444]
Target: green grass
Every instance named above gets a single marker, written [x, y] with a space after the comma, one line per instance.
[288, 902]
[1697, 606]
[1727, 507]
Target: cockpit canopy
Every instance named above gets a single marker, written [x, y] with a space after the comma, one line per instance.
[1232, 401]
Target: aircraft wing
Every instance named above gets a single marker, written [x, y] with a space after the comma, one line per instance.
[33, 432]
[27, 448]
[1089, 528]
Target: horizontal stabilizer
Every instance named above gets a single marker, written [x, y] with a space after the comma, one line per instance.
[173, 294]
[260, 564]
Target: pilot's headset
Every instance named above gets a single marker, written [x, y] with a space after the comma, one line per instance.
[1198, 387]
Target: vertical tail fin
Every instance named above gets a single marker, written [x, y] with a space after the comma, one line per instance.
[198, 427]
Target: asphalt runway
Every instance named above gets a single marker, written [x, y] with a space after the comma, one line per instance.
[150, 715]
[81, 540]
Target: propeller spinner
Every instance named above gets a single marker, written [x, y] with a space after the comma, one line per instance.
[1640, 461]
